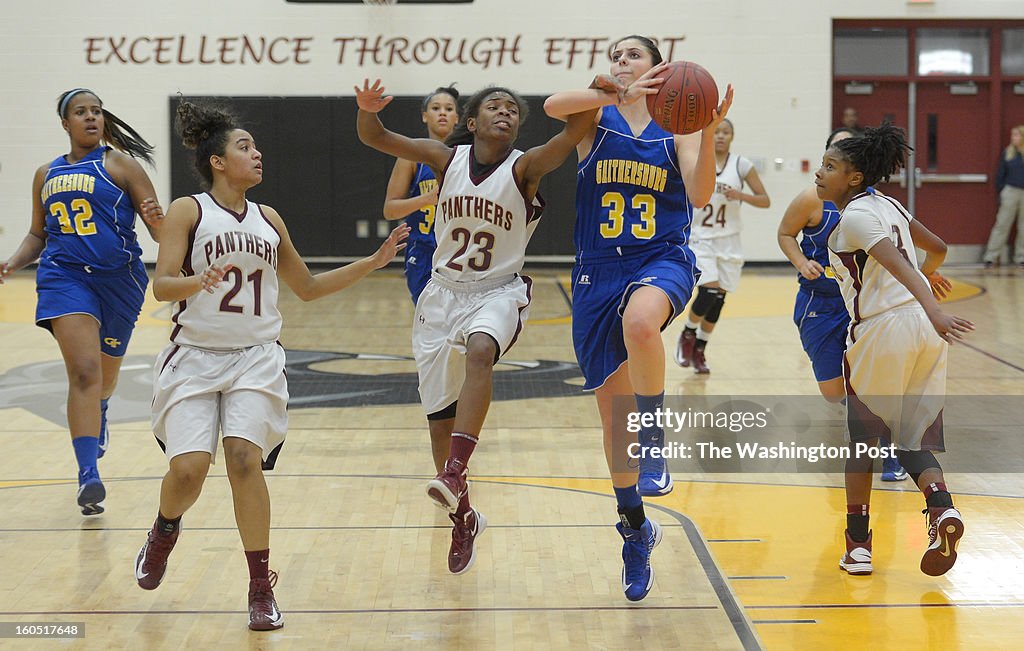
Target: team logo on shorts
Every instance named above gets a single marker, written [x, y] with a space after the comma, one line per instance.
[648, 279]
[112, 342]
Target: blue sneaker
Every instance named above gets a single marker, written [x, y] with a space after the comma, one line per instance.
[637, 573]
[90, 492]
[654, 479]
[892, 470]
[104, 439]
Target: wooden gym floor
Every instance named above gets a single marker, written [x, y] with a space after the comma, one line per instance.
[747, 561]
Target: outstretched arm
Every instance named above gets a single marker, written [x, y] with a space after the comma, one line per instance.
[293, 270]
[371, 101]
[604, 90]
[540, 160]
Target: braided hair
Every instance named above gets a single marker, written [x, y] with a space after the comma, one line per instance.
[461, 135]
[204, 129]
[116, 132]
[877, 153]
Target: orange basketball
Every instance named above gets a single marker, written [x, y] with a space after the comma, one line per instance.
[685, 100]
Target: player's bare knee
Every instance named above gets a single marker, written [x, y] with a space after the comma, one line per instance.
[84, 375]
[189, 471]
[481, 354]
[638, 328]
[243, 459]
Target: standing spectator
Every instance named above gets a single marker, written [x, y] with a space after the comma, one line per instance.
[1010, 186]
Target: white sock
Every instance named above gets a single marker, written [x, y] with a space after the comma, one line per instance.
[703, 334]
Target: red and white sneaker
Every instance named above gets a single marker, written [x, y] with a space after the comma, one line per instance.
[152, 560]
[945, 529]
[449, 486]
[463, 551]
[857, 559]
[684, 348]
[264, 614]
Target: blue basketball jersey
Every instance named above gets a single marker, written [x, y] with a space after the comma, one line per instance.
[90, 221]
[815, 246]
[629, 192]
[421, 222]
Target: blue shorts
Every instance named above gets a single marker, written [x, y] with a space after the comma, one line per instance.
[419, 257]
[113, 299]
[822, 321]
[600, 291]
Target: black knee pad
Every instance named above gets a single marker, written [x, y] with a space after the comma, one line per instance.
[444, 414]
[706, 297]
[916, 462]
[715, 310]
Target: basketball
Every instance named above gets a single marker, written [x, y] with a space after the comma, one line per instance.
[685, 100]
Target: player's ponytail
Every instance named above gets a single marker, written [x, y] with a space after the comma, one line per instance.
[204, 129]
[461, 135]
[116, 132]
[878, 153]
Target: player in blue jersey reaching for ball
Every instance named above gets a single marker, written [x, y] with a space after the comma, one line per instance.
[634, 271]
[91, 282]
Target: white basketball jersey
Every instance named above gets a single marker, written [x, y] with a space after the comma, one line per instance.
[242, 310]
[721, 217]
[482, 225]
[867, 287]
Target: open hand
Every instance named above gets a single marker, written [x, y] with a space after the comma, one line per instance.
[950, 327]
[371, 98]
[940, 285]
[391, 246]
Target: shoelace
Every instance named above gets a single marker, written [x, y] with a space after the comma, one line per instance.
[461, 531]
[161, 544]
[262, 587]
[635, 552]
[933, 527]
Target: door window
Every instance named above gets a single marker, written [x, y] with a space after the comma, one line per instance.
[952, 52]
[1013, 52]
[872, 51]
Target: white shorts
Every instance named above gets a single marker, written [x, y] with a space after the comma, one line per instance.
[197, 394]
[720, 259]
[895, 367]
[447, 314]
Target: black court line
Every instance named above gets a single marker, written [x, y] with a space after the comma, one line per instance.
[734, 540]
[758, 578]
[565, 294]
[63, 481]
[726, 598]
[990, 355]
[733, 610]
[785, 621]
